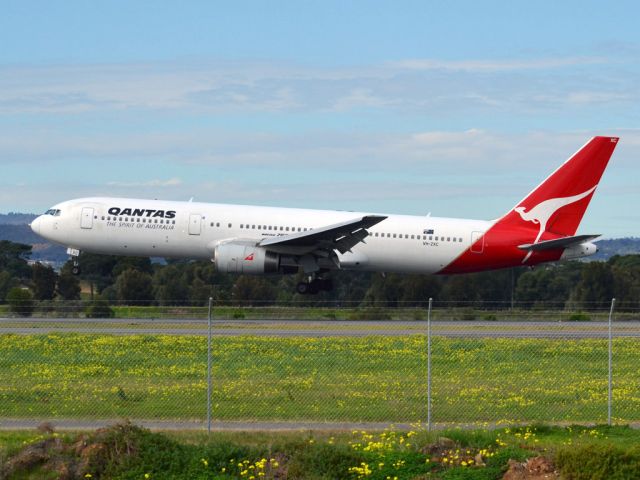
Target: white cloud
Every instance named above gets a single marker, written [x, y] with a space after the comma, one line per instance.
[489, 65]
[172, 182]
[422, 84]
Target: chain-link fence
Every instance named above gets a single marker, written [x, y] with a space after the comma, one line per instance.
[315, 365]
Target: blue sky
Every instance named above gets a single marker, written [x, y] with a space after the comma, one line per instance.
[453, 108]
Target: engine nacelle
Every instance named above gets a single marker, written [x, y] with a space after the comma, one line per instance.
[245, 258]
[578, 251]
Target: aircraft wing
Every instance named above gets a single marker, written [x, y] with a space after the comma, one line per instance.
[338, 236]
[557, 243]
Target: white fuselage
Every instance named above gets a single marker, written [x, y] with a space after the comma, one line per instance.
[116, 226]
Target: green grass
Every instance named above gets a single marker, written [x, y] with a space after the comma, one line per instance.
[303, 312]
[128, 452]
[375, 378]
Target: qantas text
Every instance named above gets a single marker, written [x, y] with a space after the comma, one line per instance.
[141, 212]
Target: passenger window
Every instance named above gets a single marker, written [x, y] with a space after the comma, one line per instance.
[448, 239]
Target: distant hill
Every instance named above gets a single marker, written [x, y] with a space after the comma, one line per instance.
[13, 218]
[616, 246]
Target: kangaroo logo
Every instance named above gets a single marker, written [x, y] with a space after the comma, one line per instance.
[541, 213]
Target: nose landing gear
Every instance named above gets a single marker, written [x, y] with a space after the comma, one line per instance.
[74, 254]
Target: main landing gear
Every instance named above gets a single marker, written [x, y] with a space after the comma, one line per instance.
[315, 285]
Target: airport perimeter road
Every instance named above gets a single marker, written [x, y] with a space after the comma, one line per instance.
[320, 328]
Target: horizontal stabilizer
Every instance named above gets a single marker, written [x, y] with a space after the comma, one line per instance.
[557, 243]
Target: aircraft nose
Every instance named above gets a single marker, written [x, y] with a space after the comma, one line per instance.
[35, 225]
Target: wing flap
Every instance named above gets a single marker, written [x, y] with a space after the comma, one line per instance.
[338, 236]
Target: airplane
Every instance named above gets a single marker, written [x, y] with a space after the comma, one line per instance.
[259, 240]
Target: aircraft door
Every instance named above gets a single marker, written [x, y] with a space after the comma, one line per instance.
[86, 218]
[477, 242]
[195, 224]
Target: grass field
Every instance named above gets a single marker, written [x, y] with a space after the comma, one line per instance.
[372, 378]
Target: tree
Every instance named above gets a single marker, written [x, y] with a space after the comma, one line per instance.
[384, 291]
[44, 281]
[135, 287]
[13, 259]
[68, 286]
[7, 282]
[417, 289]
[200, 292]
[626, 279]
[20, 301]
[250, 290]
[596, 286]
[460, 290]
[170, 285]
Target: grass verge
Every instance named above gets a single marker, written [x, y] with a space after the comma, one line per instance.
[125, 451]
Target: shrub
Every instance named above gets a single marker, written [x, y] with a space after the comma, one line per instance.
[370, 314]
[579, 317]
[99, 308]
[466, 314]
[598, 462]
[20, 302]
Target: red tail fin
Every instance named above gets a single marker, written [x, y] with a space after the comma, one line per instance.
[552, 210]
[558, 204]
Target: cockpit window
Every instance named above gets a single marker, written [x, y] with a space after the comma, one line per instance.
[54, 212]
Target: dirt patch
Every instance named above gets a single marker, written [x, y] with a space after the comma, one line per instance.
[73, 459]
[536, 468]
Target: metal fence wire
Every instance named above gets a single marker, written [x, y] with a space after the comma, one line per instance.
[449, 365]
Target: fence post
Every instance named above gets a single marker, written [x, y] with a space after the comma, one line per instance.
[429, 365]
[209, 368]
[610, 397]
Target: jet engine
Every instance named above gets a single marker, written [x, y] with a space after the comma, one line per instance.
[245, 258]
[578, 251]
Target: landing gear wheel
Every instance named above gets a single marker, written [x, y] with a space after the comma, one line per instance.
[314, 286]
[75, 270]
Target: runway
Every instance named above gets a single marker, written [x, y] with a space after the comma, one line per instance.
[319, 328]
